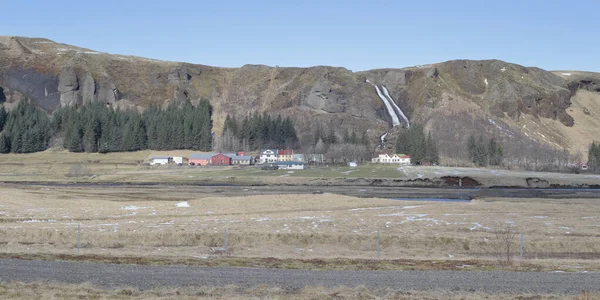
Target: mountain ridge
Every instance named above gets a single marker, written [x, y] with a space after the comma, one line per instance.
[458, 96]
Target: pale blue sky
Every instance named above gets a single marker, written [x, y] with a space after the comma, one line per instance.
[358, 35]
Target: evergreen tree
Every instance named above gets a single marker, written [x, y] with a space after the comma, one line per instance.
[494, 152]
[4, 143]
[471, 148]
[3, 116]
[481, 153]
[432, 154]
[594, 157]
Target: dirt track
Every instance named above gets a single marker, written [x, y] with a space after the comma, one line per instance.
[146, 277]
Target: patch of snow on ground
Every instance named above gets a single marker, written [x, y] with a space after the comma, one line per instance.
[566, 74]
[182, 204]
[411, 206]
[263, 219]
[539, 217]
[392, 215]
[486, 81]
[590, 217]
[503, 70]
[478, 226]
[375, 208]
[132, 207]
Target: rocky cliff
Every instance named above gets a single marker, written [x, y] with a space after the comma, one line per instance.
[453, 99]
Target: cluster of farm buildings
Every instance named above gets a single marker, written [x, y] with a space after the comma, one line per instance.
[282, 158]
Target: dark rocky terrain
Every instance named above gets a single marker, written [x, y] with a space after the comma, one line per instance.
[453, 99]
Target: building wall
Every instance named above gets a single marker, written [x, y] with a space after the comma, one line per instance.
[160, 161]
[220, 160]
[200, 162]
[284, 158]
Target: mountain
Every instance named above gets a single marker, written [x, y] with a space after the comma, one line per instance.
[525, 107]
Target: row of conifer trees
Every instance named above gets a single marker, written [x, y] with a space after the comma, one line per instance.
[99, 128]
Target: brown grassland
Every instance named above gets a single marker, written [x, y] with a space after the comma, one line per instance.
[18, 290]
[292, 231]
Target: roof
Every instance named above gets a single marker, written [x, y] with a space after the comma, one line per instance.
[161, 157]
[202, 155]
[285, 152]
[231, 155]
[405, 156]
[265, 150]
[298, 155]
[242, 157]
[289, 163]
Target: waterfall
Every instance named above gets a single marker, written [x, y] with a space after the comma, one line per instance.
[388, 106]
[404, 118]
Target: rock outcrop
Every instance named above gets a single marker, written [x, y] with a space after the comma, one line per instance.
[453, 98]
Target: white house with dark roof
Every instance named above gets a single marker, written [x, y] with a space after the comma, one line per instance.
[268, 156]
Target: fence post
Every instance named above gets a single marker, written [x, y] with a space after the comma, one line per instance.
[78, 237]
[521, 248]
[226, 239]
[378, 244]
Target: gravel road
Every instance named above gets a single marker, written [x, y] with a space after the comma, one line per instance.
[146, 277]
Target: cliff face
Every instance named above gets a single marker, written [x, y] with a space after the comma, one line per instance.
[453, 98]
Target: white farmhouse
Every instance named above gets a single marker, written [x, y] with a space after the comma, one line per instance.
[268, 156]
[385, 158]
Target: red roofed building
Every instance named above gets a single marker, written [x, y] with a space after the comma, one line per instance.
[285, 155]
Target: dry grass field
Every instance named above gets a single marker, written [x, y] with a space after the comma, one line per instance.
[18, 290]
[160, 223]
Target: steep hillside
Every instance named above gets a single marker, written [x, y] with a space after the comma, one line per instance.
[454, 98]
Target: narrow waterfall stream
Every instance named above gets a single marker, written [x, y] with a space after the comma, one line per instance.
[402, 115]
[388, 106]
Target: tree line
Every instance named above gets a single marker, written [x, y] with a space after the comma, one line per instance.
[99, 128]
[258, 131]
[25, 129]
[484, 152]
[422, 148]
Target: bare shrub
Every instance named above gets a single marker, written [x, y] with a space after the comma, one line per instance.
[79, 170]
[505, 235]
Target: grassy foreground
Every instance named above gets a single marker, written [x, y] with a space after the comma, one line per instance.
[298, 231]
[18, 290]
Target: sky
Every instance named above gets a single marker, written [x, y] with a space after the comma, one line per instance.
[358, 35]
